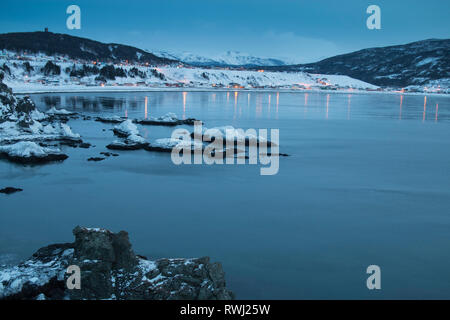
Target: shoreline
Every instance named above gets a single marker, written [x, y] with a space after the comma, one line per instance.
[116, 89]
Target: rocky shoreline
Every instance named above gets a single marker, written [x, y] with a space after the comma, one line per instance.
[110, 270]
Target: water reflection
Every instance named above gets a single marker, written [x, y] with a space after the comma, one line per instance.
[377, 106]
[146, 110]
[436, 117]
[258, 105]
[51, 101]
[278, 103]
[111, 103]
[349, 106]
[401, 107]
[424, 108]
[184, 104]
[328, 104]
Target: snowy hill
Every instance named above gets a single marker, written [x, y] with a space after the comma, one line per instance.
[63, 62]
[29, 73]
[422, 63]
[49, 43]
[227, 59]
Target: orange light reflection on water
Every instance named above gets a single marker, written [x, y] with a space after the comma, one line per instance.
[424, 108]
[437, 109]
[146, 111]
[184, 104]
[401, 107]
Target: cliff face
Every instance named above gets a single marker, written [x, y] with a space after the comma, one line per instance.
[111, 270]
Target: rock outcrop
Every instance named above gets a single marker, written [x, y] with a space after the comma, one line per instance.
[113, 119]
[131, 138]
[111, 270]
[27, 152]
[169, 120]
[10, 190]
[24, 129]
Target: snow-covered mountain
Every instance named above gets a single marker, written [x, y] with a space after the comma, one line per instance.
[226, 59]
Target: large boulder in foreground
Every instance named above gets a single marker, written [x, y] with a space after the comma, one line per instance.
[111, 270]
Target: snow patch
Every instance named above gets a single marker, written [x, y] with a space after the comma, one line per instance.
[26, 149]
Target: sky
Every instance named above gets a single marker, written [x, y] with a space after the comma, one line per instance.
[296, 30]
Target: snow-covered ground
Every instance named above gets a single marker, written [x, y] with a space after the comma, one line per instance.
[26, 79]
[31, 79]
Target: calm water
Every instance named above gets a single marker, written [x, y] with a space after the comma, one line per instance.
[367, 182]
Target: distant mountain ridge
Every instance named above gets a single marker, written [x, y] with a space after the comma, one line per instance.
[51, 43]
[421, 63]
[416, 63]
[227, 59]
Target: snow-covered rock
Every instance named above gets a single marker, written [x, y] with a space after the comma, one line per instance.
[20, 121]
[59, 112]
[29, 152]
[135, 143]
[229, 133]
[110, 119]
[111, 270]
[126, 129]
[168, 144]
[132, 140]
[12, 132]
[170, 119]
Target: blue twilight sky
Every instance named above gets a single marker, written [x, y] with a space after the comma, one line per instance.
[299, 30]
